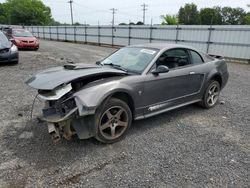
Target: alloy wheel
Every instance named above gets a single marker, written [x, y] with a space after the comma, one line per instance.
[213, 94]
[113, 123]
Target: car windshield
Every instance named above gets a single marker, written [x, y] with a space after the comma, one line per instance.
[21, 33]
[3, 38]
[131, 59]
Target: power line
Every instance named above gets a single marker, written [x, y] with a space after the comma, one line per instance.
[144, 11]
[71, 11]
[113, 13]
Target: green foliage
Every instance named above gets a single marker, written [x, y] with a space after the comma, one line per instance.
[26, 12]
[210, 16]
[122, 24]
[232, 16]
[139, 23]
[189, 14]
[169, 20]
[247, 19]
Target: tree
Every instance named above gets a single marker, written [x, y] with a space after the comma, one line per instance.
[122, 24]
[139, 23]
[247, 17]
[189, 14]
[210, 16]
[232, 16]
[3, 14]
[169, 20]
[28, 12]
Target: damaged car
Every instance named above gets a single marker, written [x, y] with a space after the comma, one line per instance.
[101, 100]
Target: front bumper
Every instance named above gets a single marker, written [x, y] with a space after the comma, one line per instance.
[68, 124]
[27, 45]
[9, 57]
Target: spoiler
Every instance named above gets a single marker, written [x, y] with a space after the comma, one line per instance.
[216, 56]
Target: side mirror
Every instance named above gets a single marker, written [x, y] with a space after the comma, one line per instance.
[160, 69]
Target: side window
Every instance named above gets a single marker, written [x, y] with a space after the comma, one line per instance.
[196, 58]
[173, 58]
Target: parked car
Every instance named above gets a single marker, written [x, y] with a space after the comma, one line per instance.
[8, 51]
[23, 39]
[135, 82]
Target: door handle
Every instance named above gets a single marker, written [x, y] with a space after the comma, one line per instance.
[192, 73]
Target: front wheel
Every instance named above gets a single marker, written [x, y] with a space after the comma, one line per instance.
[211, 95]
[113, 119]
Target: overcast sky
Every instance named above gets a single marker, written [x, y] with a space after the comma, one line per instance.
[93, 11]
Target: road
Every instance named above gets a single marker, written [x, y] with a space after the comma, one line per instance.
[187, 147]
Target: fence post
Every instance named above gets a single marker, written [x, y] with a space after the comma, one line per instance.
[209, 37]
[75, 34]
[49, 32]
[129, 34]
[57, 34]
[65, 32]
[151, 33]
[177, 34]
[99, 35]
[43, 33]
[112, 35]
[38, 31]
[85, 30]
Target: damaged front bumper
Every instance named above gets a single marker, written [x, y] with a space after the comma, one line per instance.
[67, 115]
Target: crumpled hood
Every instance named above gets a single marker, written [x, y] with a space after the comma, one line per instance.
[51, 78]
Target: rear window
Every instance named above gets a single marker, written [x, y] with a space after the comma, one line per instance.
[196, 58]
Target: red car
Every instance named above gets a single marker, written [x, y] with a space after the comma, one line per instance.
[23, 39]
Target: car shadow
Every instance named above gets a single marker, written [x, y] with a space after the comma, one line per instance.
[8, 64]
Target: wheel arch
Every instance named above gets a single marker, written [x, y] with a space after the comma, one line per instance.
[124, 96]
[217, 77]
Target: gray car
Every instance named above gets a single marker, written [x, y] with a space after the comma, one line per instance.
[8, 51]
[101, 100]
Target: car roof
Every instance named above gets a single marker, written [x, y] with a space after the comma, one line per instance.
[162, 46]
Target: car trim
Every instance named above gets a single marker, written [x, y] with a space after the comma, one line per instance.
[166, 109]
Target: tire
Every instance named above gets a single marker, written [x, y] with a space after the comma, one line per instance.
[211, 95]
[112, 120]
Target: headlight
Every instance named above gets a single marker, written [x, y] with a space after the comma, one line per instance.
[13, 49]
[17, 41]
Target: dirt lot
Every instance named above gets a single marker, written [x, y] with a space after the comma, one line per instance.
[188, 147]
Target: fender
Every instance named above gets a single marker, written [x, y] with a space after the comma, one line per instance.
[89, 98]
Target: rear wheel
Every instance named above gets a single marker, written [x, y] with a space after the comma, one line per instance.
[113, 119]
[211, 95]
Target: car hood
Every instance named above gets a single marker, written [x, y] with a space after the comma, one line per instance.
[51, 78]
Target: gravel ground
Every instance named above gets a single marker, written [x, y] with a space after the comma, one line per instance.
[187, 147]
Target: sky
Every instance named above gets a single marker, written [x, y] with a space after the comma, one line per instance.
[94, 11]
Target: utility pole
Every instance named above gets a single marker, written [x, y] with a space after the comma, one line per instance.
[144, 8]
[71, 11]
[113, 13]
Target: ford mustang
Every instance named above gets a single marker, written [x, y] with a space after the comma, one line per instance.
[101, 100]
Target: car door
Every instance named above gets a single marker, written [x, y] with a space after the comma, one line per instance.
[166, 89]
